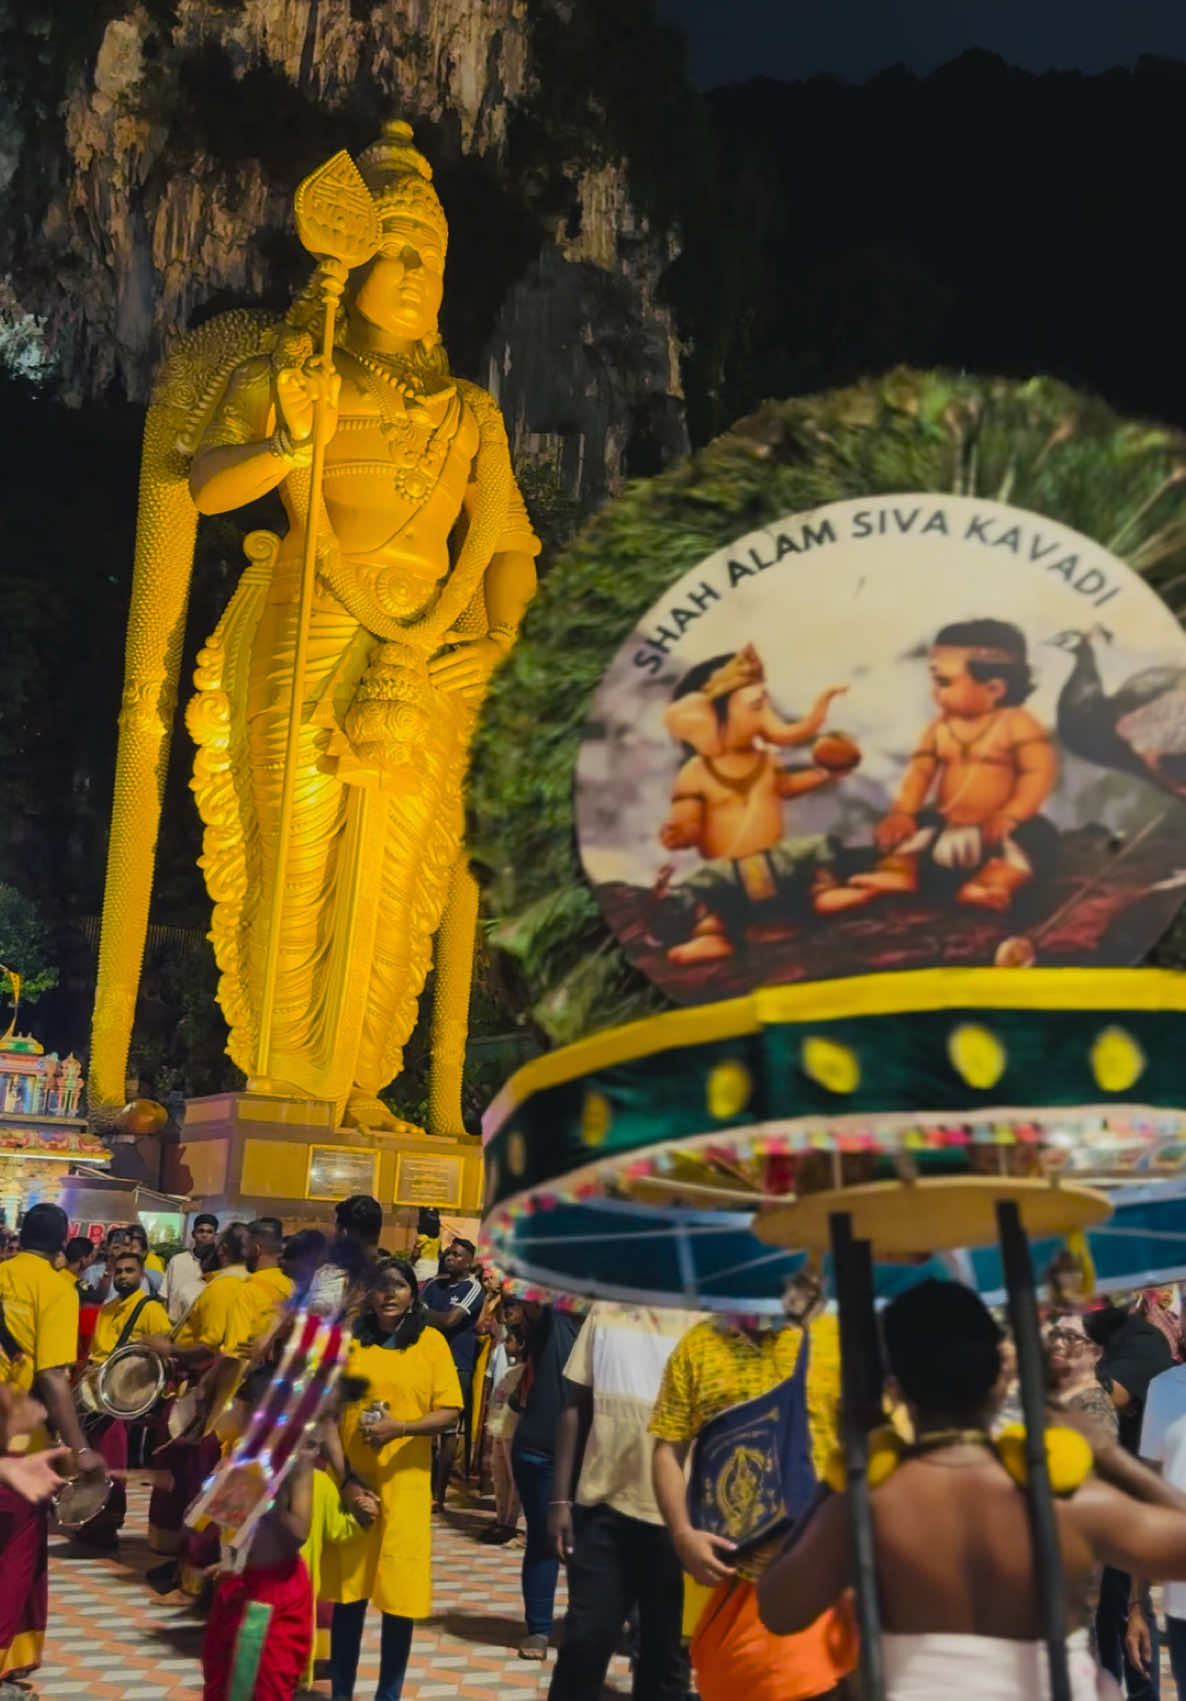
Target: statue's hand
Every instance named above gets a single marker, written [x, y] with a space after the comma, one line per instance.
[299, 389]
[468, 667]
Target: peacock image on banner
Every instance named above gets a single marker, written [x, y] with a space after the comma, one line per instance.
[888, 734]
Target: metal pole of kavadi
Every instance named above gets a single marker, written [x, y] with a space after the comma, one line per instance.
[860, 1371]
[1023, 1319]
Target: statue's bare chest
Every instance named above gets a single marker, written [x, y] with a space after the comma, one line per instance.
[407, 437]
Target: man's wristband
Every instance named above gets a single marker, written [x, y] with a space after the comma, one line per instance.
[559, 1502]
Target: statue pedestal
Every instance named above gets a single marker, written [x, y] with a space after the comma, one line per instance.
[244, 1155]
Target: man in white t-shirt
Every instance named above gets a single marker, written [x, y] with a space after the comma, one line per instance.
[620, 1556]
[184, 1276]
[1163, 1445]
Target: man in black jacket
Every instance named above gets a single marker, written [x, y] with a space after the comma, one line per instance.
[1133, 1353]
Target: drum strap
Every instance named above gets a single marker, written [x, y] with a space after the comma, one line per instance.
[8, 1345]
[126, 1331]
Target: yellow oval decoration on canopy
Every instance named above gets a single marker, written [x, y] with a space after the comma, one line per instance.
[1117, 1061]
[977, 1055]
[834, 1066]
[596, 1116]
[729, 1089]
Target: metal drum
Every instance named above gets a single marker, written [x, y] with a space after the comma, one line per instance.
[78, 1502]
[187, 1417]
[86, 1400]
[130, 1382]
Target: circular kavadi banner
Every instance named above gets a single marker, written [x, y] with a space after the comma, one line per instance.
[887, 734]
[880, 678]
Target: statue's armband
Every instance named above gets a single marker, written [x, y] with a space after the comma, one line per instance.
[245, 410]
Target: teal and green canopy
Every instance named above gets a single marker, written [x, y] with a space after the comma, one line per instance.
[635, 1162]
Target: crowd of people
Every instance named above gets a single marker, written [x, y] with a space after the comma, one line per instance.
[682, 1467]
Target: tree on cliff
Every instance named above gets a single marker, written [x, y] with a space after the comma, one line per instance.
[26, 945]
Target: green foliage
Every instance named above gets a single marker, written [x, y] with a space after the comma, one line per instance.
[179, 1037]
[555, 511]
[26, 944]
[495, 1049]
[1037, 444]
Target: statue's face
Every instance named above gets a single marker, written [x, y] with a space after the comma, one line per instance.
[401, 288]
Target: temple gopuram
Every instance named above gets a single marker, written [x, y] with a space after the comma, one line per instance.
[42, 1131]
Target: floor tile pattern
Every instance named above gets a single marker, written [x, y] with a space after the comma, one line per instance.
[112, 1639]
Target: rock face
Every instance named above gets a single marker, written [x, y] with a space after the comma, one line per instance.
[148, 154]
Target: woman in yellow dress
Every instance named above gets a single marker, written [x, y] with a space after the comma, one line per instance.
[386, 1473]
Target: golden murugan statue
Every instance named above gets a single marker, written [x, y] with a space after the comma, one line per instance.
[333, 814]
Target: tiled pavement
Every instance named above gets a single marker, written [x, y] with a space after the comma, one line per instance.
[111, 1639]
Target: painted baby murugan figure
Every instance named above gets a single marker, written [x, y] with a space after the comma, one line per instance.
[969, 803]
[424, 567]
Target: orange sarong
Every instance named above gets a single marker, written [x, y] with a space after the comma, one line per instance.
[733, 1654]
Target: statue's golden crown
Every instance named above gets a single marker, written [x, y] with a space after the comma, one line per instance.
[400, 180]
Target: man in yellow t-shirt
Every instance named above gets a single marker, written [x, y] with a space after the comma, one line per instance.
[38, 1344]
[260, 1301]
[129, 1315]
[198, 1341]
[716, 1366]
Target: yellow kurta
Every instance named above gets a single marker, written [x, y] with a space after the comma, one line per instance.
[390, 1563]
[109, 1324]
[41, 1313]
[208, 1318]
[255, 1308]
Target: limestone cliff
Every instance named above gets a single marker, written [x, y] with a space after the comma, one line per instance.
[148, 153]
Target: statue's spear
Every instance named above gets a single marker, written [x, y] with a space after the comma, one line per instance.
[338, 224]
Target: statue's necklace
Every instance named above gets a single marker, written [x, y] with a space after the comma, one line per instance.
[418, 466]
[396, 372]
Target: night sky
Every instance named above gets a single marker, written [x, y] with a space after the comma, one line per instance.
[731, 40]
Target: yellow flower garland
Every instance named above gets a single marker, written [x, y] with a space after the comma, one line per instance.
[1068, 1458]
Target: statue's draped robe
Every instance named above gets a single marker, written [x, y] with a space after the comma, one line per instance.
[371, 850]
